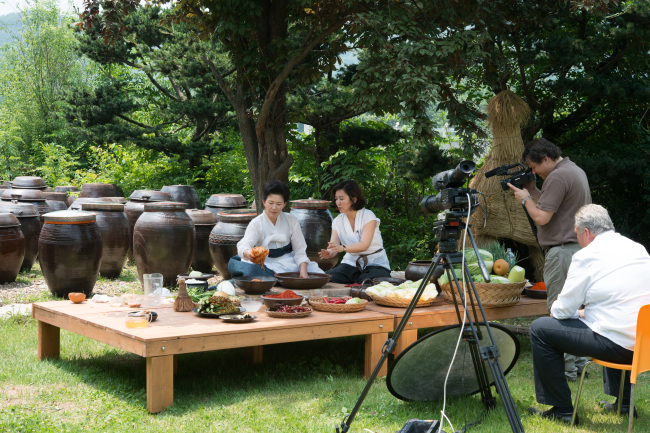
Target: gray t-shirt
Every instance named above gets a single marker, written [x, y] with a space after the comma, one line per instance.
[565, 190]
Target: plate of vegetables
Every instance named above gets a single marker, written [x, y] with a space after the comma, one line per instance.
[344, 304]
[217, 306]
[289, 311]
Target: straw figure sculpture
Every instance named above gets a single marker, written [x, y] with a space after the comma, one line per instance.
[506, 218]
[183, 302]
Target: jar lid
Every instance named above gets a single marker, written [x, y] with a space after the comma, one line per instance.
[60, 196]
[8, 220]
[69, 217]
[148, 195]
[25, 194]
[237, 215]
[227, 200]
[202, 217]
[65, 188]
[310, 203]
[21, 210]
[29, 182]
[163, 206]
[105, 206]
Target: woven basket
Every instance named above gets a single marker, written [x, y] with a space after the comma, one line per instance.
[491, 294]
[400, 303]
[319, 305]
[278, 315]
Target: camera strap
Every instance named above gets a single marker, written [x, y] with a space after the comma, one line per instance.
[533, 226]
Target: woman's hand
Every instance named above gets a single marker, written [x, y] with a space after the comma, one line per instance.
[247, 255]
[335, 247]
[326, 254]
[303, 270]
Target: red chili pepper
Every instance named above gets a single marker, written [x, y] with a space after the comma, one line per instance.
[326, 301]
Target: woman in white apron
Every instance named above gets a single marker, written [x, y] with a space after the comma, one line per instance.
[355, 232]
[277, 231]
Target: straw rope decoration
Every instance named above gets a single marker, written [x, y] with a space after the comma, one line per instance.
[506, 218]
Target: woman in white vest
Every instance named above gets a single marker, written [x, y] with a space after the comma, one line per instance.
[277, 231]
[355, 232]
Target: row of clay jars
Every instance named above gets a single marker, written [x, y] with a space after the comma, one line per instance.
[163, 241]
[30, 225]
[116, 240]
[12, 248]
[70, 252]
[31, 196]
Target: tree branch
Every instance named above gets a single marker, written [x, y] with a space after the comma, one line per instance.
[220, 80]
[141, 125]
[595, 128]
[284, 166]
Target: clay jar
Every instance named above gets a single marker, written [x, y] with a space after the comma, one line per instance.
[225, 202]
[134, 208]
[51, 198]
[29, 182]
[315, 221]
[183, 194]
[417, 269]
[77, 203]
[163, 241]
[31, 196]
[94, 190]
[30, 225]
[12, 248]
[67, 190]
[204, 222]
[70, 252]
[114, 228]
[229, 230]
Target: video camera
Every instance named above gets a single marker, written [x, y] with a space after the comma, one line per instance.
[518, 178]
[451, 196]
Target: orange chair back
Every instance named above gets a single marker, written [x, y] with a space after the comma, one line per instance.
[641, 361]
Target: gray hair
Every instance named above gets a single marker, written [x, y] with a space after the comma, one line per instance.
[595, 218]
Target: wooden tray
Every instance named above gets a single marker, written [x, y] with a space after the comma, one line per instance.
[320, 305]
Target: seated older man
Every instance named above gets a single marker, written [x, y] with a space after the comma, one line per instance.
[609, 276]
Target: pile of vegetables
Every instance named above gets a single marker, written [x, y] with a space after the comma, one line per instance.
[500, 270]
[343, 300]
[403, 291]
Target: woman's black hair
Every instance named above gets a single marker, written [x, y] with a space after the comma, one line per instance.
[276, 187]
[353, 190]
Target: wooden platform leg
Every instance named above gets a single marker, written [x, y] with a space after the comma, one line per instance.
[160, 383]
[175, 363]
[407, 338]
[49, 341]
[374, 343]
[253, 355]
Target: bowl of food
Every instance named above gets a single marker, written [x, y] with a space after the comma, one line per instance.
[255, 285]
[287, 297]
[238, 318]
[196, 276]
[292, 280]
[217, 306]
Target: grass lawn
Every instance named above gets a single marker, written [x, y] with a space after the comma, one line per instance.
[300, 387]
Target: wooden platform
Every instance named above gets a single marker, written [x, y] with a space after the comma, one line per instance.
[175, 333]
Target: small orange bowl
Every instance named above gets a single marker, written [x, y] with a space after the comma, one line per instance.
[77, 298]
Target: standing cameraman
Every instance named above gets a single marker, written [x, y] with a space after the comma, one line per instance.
[565, 190]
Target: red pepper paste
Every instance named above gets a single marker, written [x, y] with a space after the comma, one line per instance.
[539, 286]
[287, 294]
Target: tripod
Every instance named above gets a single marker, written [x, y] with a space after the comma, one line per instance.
[447, 256]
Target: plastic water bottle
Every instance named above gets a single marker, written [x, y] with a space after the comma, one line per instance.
[510, 256]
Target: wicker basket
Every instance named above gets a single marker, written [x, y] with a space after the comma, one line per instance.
[319, 305]
[278, 315]
[400, 303]
[491, 294]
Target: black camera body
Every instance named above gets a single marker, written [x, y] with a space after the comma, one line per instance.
[517, 179]
[451, 196]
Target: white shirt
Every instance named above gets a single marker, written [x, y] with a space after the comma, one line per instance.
[348, 236]
[610, 277]
[262, 232]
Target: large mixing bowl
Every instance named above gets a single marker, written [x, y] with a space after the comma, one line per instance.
[262, 285]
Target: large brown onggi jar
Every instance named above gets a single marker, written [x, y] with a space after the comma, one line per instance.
[229, 230]
[12, 248]
[114, 228]
[224, 202]
[30, 225]
[315, 221]
[163, 241]
[204, 222]
[31, 196]
[94, 190]
[77, 203]
[183, 194]
[56, 205]
[29, 182]
[135, 206]
[67, 189]
[70, 252]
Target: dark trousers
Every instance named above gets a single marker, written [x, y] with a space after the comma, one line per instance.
[237, 268]
[551, 338]
[346, 274]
